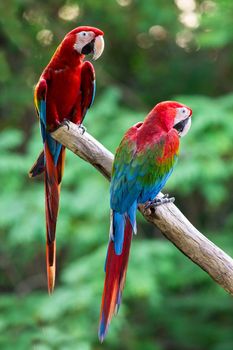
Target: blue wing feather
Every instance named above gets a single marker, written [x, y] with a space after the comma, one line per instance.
[94, 92]
[54, 146]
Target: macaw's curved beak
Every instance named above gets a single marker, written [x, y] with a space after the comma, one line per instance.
[183, 126]
[98, 47]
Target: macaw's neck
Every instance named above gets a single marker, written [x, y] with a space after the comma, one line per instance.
[154, 126]
[66, 56]
[160, 120]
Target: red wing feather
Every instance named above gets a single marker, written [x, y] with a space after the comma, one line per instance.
[87, 88]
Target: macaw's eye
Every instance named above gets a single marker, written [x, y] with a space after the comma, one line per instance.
[183, 110]
[84, 33]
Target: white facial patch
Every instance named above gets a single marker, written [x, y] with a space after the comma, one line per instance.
[181, 114]
[182, 120]
[83, 38]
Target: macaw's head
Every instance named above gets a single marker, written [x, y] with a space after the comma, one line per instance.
[85, 41]
[173, 115]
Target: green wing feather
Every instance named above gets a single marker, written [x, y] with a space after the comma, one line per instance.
[139, 175]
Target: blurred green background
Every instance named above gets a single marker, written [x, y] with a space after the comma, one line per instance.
[155, 50]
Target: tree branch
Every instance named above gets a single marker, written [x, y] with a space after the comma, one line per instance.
[168, 218]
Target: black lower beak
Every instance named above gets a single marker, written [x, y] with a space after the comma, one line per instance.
[181, 125]
[89, 48]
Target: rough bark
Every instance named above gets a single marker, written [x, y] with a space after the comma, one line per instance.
[168, 218]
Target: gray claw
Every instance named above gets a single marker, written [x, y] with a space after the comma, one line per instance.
[66, 122]
[82, 129]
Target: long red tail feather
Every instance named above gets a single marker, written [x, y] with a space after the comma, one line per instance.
[53, 176]
[116, 268]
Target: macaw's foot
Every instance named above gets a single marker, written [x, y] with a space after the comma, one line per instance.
[82, 129]
[56, 125]
[65, 122]
[159, 201]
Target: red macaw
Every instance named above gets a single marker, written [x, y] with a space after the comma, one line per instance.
[143, 163]
[65, 91]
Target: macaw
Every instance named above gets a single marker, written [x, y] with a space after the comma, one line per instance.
[143, 163]
[65, 91]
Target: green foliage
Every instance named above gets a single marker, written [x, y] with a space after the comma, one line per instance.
[169, 303]
[215, 33]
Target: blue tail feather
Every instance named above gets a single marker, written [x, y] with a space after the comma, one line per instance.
[105, 263]
[118, 231]
[102, 329]
[132, 216]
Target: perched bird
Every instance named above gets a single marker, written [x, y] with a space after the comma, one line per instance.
[65, 91]
[143, 163]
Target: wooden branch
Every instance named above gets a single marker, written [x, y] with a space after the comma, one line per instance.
[168, 218]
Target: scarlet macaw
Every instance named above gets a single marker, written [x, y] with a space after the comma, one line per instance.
[65, 91]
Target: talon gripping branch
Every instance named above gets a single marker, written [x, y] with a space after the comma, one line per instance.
[64, 91]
